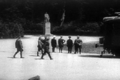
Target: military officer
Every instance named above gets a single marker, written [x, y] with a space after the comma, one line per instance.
[19, 46]
[61, 44]
[78, 45]
[46, 49]
[53, 44]
[69, 44]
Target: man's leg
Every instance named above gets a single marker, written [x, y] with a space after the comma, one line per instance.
[61, 49]
[53, 49]
[38, 51]
[80, 49]
[70, 49]
[76, 49]
[43, 54]
[49, 55]
[21, 54]
[15, 53]
[42, 51]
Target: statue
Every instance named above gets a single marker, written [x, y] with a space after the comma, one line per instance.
[47, 25]
[47, 18]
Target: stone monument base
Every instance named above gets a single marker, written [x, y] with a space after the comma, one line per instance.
[47, 29]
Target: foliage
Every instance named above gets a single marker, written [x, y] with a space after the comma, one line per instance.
[81, 29]
[81, 16]
[11, 30]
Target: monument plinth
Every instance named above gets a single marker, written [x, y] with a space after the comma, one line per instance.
[47, 30]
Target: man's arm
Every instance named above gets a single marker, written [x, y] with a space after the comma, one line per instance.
[21, 45]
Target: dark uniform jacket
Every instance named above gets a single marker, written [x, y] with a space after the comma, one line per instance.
[69, 43]
[61, 42]
[78, 42]
[40, 44]
[18, 44]
[53, 43]
[46, 46]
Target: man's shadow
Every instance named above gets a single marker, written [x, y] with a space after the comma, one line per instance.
[98, 56]
[11, 57]
[15, 57]
[34, 56]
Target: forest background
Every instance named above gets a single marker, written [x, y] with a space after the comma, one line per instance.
[82, 17]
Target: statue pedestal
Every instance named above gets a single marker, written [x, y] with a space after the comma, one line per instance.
[47, 28]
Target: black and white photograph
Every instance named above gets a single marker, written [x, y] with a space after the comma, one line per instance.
[59, 39]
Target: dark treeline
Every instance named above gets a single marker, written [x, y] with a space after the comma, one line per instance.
[81, 16]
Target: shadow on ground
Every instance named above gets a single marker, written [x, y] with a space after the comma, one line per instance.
[11, 57]
[15, 57]
[34, 55]
[98, 56]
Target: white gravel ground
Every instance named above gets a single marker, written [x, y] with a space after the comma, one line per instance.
[63, 66]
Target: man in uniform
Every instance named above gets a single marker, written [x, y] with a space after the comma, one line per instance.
[61, 44]
[19, 46]
[78, 45]
[53, 44]
[40, 46]
[69, 44]
[46, 48]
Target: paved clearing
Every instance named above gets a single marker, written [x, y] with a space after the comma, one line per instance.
[63, 66]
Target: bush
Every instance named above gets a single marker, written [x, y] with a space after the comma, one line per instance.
[77, 29]
[91, 28]
[33, 28]
[11, 30]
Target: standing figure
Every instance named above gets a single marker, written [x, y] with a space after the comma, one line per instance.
[53, 44]
[69, 44]
[47, 18]
[19, 46]
[46, 48]
[61, 44]
[40, 46]
[78, 45]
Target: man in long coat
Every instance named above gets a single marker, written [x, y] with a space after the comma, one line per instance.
[40, 46]
[19, 46]
[53, 44]
[61, 44]
[78, 45]
[69, 44]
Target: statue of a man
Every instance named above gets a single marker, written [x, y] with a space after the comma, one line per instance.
[47, 18]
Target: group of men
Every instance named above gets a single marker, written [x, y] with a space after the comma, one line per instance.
[44, 46]
[77, 44]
